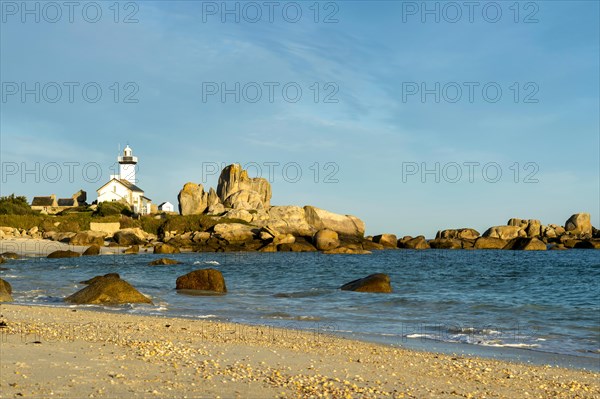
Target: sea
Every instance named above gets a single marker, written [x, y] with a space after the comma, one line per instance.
[541, 307]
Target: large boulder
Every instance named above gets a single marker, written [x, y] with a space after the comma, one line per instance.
[378, 283]
[505, 232]
[344, 224]
[203, 280]
[130, 236]
[233, 179]
[244, 199]
[579, 224]
[418, 242]
[489, 243]
[526, 244]
[88, 237]
[532, 227]
[287, 220]
[458, 234]
[234, 232]
[108, 290]
[592, 243]
[63, 254]
[445, 243]
[5, 291]
[240, 214]
[92, 250]
[387, 240]
[326, 240]
[192, 199]
[162, 248]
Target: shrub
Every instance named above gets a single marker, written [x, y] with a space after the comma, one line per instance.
[13, 205]
[113, 208]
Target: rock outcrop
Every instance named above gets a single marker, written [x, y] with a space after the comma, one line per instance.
[526, 244]
[378, 283]
[321, 219]
[505, 232]
[579, 224]
[108, 290]
[202, 280]
[234, 179]
[458, 234]
[193, 200]
[387, 240]
[489, 243]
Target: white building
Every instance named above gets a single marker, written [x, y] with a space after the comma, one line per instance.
[122, 187]
[166, 207]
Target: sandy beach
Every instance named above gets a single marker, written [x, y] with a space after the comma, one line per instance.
[73, 352]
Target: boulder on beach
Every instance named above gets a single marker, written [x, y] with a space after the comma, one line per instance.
[593, 243]
[92, 250]
[326, 240]
[128, 237]
[371, 246]
[134, 249]
[202, 280]
[387, 240]
[5, 291]
[234, 232]
[10, 255]
[489, 243]
[63, 254]
[165, 249]
[526, 244]
[378, 283]
[109, 290]
[321, 219]
[163, 261]
[88, 237]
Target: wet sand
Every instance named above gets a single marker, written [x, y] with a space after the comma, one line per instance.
[73, 352]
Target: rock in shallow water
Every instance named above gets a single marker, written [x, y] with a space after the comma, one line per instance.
[63, 254]
[109, 290]
[378, 283]
[5, 291]
[203, 280]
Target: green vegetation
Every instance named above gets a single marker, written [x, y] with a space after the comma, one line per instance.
[113, 208]
[13, 205]
[16, 212]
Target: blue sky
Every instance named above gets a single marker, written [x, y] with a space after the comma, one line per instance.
[369, 146]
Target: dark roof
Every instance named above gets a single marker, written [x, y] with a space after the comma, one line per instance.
[146, 198]
[42, 201]
[125, 183]
[162, 204]
[66, 202]
[130, 186]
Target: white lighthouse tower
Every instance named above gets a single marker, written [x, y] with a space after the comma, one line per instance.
[127, 166]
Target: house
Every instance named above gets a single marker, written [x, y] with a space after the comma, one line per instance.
[122, 187]
[166, 207]
[51, 205]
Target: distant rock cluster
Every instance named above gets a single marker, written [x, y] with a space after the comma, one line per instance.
[517, 234]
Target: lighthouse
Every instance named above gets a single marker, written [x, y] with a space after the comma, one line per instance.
[123, 187]
[127, 166]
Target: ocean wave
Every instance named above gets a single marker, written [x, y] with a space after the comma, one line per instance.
[206, 262]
